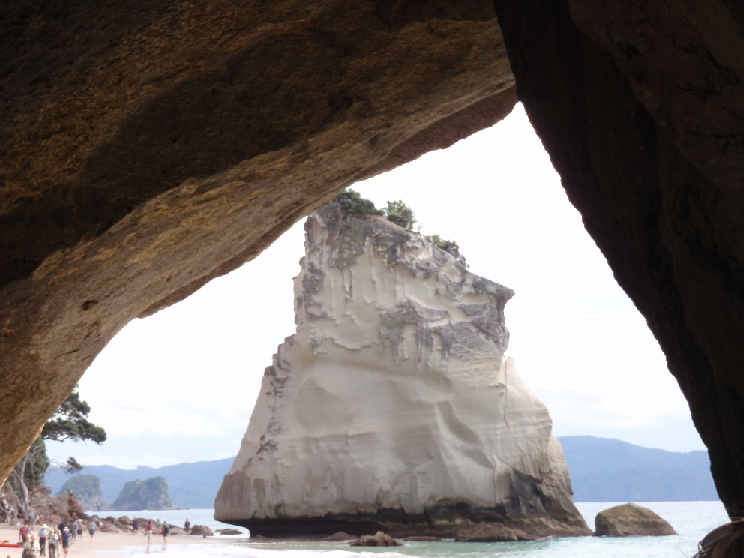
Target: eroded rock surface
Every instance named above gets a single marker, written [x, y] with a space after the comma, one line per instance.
[631, 520]
[640, 105]
[147, 146]
[393, 407]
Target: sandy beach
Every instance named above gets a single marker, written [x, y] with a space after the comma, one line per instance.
[110, 544]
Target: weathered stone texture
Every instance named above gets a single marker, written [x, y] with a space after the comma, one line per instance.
[392, 409]
[148, 146]
[640, 106]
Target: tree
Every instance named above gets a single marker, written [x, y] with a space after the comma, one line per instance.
[69, 422]
[449, 246]
[399, 213]
[352, 201]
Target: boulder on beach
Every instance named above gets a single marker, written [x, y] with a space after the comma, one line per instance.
[229, 532]
[378, 539]
[630, 520]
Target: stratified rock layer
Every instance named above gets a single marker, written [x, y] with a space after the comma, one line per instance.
[631, 520]
[392, 407]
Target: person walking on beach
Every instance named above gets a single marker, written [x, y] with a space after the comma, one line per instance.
[135, 525]
[187, 526]
[91, 529]
[80, 529]
[65, 541]
[148, 530]
[53, 538]
[43, 532]
[23, 533]
[166, 530]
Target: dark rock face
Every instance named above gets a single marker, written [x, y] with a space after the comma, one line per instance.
[631, 520]
[641, 108]
[148, 146]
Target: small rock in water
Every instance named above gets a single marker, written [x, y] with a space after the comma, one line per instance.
[379, 539]
[630, 520]
[428, 539]
[340, 536]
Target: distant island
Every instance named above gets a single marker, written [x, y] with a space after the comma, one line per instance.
[602, 470]
[190, 485]
[150, 494]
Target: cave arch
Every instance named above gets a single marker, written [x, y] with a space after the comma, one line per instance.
[127, 183]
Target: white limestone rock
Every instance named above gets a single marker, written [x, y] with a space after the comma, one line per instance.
[392, 407]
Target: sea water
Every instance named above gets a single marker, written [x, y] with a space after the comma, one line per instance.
[692, 520]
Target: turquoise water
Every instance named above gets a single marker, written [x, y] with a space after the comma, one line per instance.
[692, 520]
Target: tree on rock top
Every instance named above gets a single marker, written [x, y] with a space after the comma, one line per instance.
[399, 213]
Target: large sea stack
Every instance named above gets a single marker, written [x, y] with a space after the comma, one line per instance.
[392, 408]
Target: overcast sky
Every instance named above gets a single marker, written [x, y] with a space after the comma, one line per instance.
[180, 386]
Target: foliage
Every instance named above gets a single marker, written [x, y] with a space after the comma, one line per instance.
[69, 422]
[30, 470]
[449, 246]
[399, 213]
[352, 201]
[396, 212]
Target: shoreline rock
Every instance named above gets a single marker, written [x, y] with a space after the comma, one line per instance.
[378, 539]
[631, 520]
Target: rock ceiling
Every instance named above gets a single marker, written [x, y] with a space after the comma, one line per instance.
[149, 146]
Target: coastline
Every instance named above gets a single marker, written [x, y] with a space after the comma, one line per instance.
[114, 545]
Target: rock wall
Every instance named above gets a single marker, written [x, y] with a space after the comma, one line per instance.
[147, 146]
[641, 108]
[392, 407]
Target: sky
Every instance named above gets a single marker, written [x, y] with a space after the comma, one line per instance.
[180, 386]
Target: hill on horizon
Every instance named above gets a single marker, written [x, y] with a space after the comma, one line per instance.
[191, 485]
[602, 470]
[609, 470]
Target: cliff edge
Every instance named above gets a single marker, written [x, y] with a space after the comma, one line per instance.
[392, 407]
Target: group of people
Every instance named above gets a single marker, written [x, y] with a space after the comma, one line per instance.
[53, 537]
[164, 530]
